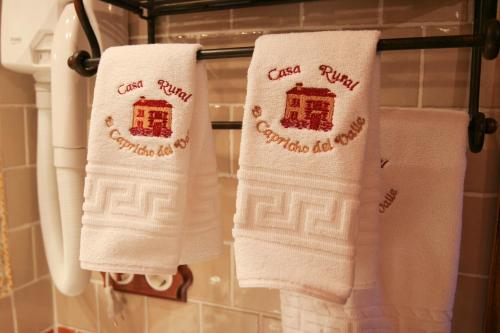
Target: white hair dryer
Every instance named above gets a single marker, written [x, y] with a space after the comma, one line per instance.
[39, 42]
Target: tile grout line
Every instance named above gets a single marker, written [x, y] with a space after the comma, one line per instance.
[231, 143]
[234, 309]
[98, 308]
[314, 28]
[26, 139]
[260, 323]
[146, 314]
[231, 275]
[24, 226]
[200, 319]
[485, 195]
[14, 312]
[32, 282]
[231, 19]
[33, 252]
[301, 15]
[476, 276]
[380, 12]
[55, 318]
[421, 69]
[19, 167]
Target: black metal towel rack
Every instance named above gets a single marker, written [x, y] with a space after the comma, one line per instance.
[485, 41]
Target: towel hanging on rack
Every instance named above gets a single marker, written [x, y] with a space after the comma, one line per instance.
[151, 198]
[420, 211]
[308, 160]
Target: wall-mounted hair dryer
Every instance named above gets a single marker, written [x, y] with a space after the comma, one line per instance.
[39, 42]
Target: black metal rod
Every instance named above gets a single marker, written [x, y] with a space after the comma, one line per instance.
[151, 23]
[475, 69]
[225, 125]
[87, 28]
[392, 44]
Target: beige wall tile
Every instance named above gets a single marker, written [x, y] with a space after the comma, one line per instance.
[469, 305]
[40, 258]
[402, 11]
[266, 17]
[258, 299]
[6, 318]
[196, 22]
[400, 71]
[79, 312]
[219, 112]
[96, 277]
[490, 83]
[227, 194]
[236, 115]
[90, 92]
[133, 321]
[21, 199]
[227, 80]
[482, 173]
[479, 220]
[21, 256]
[12, 144]
[178, 38]
[31, 121]
[446, 72]
[34, 307]
[16, 88]
[138, 41]
[221, 138]
[270, 325]
[219, 320]
[222, 152]
[168, 316]
[136, 26]
[235, 136]
[212, 279]
[339, 12]
[224, 39]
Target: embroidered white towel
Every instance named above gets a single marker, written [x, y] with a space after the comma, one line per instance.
[423, 167]
[149, 135]
[310, 120]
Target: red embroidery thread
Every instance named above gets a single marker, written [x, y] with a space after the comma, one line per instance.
[152, 117]
[276, 74]
[389, 197]
[309, 108]
[169, 89]
[125, 88]
[333, 76]
[356, 127]
[383, 163]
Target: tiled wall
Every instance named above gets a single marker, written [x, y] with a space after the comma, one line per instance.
[29, 307]
[417, 78]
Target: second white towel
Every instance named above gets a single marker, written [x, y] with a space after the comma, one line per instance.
[308, 160]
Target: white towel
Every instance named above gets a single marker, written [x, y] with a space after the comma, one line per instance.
[150, 191]
[423, 168]
[309, 134]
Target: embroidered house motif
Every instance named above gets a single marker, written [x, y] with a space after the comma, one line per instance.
[152, 117]
[309, 108]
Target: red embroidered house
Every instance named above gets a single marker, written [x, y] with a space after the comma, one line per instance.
[309, 108]
[152, 117]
